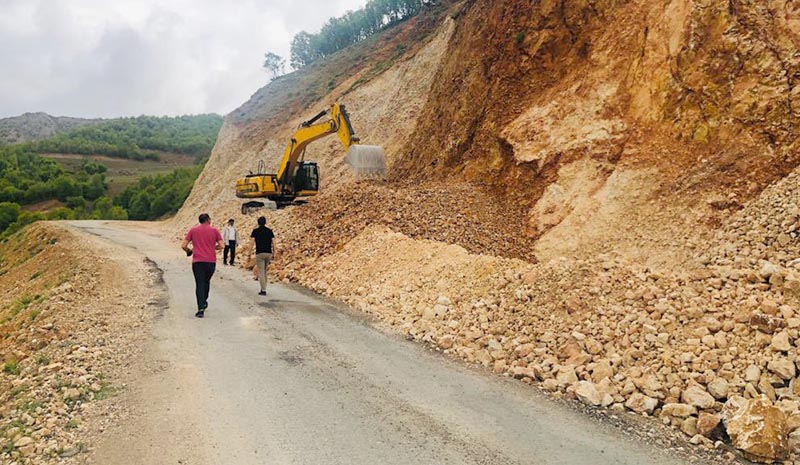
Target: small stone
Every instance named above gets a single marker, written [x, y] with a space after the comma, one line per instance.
[550, 385]
[718, 388]
[72, 394]
[602, 370]
[566, 376]
[689, 426]
[587, 393]
[752, 373]
[445, 342]
[785, 369]
[678, 410]
[707, 423]
[781, 342]
[23, 441]
[766, 323]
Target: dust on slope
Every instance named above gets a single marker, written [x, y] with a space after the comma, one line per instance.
[69, 332]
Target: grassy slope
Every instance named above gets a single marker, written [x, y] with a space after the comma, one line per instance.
[123, 173]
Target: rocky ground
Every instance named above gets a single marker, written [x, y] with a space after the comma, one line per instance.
[69, 336]
[709, 349]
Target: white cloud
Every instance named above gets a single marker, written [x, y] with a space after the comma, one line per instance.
[99, 58]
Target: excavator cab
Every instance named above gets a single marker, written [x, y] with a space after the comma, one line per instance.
[306, 180]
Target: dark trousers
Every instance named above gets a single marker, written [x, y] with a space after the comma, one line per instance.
[202, 282]
[231, 245]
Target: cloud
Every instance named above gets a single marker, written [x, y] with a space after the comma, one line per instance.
[95, 58]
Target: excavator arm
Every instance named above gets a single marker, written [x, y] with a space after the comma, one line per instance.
[310, 131]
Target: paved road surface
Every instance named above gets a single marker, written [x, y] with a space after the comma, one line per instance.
[292, 379]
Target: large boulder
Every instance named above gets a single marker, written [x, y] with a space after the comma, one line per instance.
[758, 429]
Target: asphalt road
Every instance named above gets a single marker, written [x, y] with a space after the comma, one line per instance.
[295, 379]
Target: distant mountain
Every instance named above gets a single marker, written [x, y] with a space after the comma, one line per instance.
[37, 126]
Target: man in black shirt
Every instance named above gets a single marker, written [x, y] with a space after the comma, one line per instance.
[265, 246]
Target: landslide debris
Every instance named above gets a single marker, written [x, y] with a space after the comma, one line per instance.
[683, 345]
[67, 338]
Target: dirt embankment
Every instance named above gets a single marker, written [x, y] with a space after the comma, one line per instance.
[68, 338]
[592, 196]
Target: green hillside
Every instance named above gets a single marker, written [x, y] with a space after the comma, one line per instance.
[140, 138]
[137, 168]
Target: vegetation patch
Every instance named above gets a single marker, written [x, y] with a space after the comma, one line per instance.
[70, 182]
[12, 367]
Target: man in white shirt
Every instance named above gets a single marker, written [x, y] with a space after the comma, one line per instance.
[230, 237]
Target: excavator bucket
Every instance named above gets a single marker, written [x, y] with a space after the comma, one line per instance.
[367, 160]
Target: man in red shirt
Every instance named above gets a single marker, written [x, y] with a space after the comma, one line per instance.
[205, 240]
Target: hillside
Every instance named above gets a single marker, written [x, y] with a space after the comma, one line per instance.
[594, 197]
[128, 168]
[31, 127]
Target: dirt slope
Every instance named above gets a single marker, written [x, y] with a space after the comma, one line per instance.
[67, 341]
[591, 195]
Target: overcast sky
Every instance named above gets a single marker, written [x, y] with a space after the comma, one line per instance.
[106, 58]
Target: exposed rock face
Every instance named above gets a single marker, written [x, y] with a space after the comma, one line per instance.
[759, 430]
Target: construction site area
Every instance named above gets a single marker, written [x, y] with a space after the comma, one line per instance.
[598, 199]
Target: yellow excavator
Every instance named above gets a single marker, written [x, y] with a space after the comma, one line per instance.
[297, 178]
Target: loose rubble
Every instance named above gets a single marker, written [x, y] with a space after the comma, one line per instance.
[675, 344]
[68, 337]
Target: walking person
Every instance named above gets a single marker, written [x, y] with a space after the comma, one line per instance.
[265, 248]
[230, 237]
[205, 240]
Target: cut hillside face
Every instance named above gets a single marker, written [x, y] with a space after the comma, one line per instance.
[695, 99]
[595, 197]
[67, 340]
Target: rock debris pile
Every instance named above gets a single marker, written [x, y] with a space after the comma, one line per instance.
[710, 349]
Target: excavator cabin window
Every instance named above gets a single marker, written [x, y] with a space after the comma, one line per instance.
[307, 177]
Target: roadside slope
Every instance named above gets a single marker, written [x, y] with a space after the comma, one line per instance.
[70, 335]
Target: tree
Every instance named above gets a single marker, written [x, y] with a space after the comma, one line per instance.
[352, 27]
[274, 64]
[302, 52]
[9, 212]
